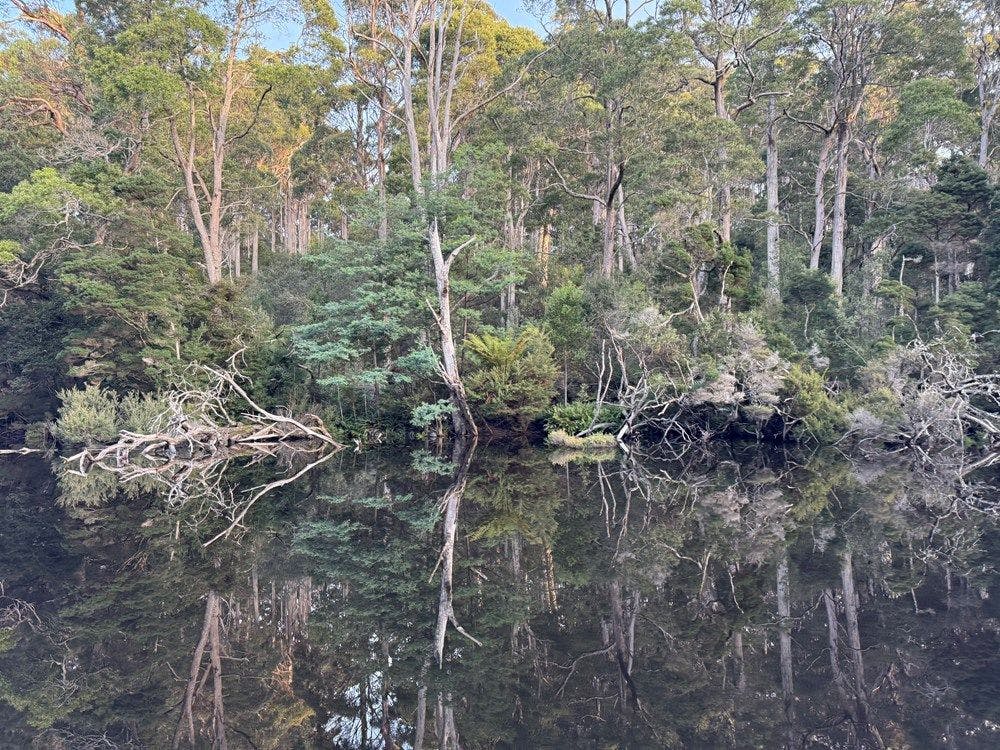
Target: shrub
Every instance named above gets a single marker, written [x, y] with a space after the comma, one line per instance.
[515, 376]
[424, 415]
[809, 405]
[89, 415]
[576, 417]
[141, 413]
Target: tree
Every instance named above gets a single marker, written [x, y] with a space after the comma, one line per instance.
[449, 56]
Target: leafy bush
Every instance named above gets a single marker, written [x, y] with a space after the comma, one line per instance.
[424, 415]
[807, 402]
[89, 415]
[141, 413]
[515, 376]
[576, 417]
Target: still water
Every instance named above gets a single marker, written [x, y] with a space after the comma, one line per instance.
[744, 598]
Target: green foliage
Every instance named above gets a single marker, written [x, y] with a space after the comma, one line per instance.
[565, 319]
[810, 408]
[578, 416]
[424, 415]
[362, 338]
[141, 413]
[514, 378]
[96, 415]
[87, 416]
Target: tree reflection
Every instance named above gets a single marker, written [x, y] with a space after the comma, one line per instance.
[741, 599]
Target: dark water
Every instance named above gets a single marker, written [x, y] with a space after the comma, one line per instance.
[750, 599]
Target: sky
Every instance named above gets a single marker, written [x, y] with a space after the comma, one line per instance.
[281, 34]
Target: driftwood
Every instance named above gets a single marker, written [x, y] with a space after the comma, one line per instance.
[199, 421]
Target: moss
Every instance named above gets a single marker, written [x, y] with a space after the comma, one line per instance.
[598, 441]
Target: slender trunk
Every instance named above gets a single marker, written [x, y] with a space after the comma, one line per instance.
[773, 225]
[627, 246]
[865, 726]
[726, 191]
[211, 641]
[984, 143]
[218, 707]
[833, 639]
[608, 241]
[740, 661]
[255, 589]
[623, 654]
[839, 223]
[187, 709]
[237, 255]
[186, 160]
[987, 112]
[819, 197]
[255, 251]
[543, 251]
[726, 212]
[380, 130]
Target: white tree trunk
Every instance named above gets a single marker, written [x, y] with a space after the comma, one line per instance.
[839, 222]
[773, 225]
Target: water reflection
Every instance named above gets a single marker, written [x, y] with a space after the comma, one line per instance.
[487, 598]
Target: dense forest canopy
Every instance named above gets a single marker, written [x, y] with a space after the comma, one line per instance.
[693, 219]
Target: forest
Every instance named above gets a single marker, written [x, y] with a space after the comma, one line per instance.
[384, 374]
[669, 223]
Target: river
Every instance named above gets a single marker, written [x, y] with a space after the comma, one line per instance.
[742, 597]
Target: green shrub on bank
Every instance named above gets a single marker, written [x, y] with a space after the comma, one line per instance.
[141, 413]
[514, 377]
[578, 416]
[806, 401]
[87, 416]
[93, 415]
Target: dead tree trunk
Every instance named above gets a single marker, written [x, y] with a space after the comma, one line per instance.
[773, 223]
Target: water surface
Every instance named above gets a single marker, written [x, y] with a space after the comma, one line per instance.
[745, 598]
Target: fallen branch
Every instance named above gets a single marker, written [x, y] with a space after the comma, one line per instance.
[197, 422]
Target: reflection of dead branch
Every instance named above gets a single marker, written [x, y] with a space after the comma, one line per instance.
[17, 612]
[70, 740]
[259, 492]
[202, 479]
